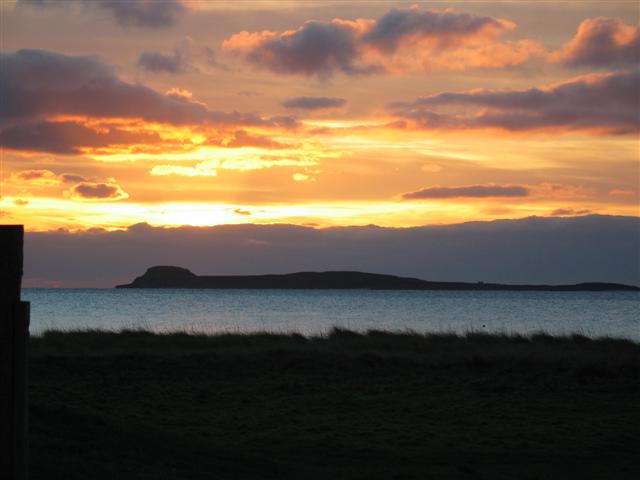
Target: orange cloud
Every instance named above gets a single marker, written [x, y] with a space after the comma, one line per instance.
[401, 40]
[602, 42]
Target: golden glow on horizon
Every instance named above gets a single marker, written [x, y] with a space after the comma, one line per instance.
[39, 213]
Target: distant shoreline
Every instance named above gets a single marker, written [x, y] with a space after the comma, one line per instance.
[177, 277]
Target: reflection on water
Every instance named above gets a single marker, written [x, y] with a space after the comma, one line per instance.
[316, 311]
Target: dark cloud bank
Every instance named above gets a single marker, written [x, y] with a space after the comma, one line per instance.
[38, 84]
[608, 102]
[531, 250]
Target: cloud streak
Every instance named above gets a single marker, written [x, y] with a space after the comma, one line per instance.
[468, 191]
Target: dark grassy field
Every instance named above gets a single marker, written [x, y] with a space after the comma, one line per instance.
[135, 405]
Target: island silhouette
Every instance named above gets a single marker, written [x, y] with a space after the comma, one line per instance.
[178, 277]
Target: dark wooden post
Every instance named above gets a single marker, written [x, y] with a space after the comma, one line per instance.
[14, 335]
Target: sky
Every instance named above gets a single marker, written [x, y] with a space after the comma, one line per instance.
[275, 136]
[320, 114]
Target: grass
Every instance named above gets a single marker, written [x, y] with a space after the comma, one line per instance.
[346, 405]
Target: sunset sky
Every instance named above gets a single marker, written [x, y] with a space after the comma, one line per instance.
[316, 113]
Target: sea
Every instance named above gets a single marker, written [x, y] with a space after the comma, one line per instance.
[315, 312]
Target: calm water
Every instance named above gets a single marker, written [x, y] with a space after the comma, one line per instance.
[316, 311]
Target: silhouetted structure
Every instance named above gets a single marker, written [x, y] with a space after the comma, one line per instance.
[177, 277]
[14, 333]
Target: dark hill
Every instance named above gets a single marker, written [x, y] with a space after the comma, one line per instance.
[177, 277]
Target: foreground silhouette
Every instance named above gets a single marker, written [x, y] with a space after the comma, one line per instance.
[135, 405]
[177, 277]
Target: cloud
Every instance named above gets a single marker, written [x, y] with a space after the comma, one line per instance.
[401, 40]
[71, 178]
[199, 170]
[531, 250]
[300, 177]
[45, 177]
[187, 56]
[37, 177]
[602, 42]
[145, 13]
[242, 138]
[96, 191]
[444, 28]
[314, 103]
[158, 62]
[605, 103]
[179, 93]
[566, 212]
[39, 83]
[469, 191]
[209, 168]
[137, 13]
[316, 48]
[68, 138]
[616, 192]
